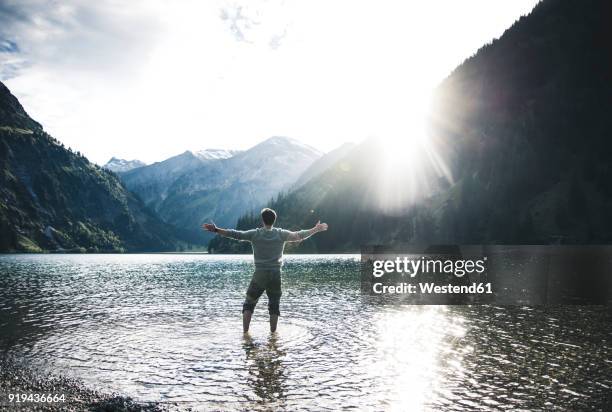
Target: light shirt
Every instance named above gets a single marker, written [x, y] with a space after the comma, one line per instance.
[268, 245]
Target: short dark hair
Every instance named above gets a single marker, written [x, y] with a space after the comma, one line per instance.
[268, 216]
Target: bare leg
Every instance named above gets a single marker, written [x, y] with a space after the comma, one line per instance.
[246, 320]
[273, 323]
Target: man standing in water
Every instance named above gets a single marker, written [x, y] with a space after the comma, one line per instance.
[268, 244]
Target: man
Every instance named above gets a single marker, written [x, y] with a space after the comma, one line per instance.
[268, 244]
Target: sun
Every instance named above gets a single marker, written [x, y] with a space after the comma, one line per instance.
[412, 164]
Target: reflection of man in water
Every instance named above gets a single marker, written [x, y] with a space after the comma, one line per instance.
[265, 366]
[268, 244]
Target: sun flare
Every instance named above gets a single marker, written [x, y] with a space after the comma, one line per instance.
[412, 164]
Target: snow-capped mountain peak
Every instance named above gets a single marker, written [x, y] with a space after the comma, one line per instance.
[121, 165]
[215, 154]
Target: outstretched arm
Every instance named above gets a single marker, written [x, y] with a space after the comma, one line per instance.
[230, 233]
[305, 234]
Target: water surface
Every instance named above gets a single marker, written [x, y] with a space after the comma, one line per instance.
[168, 328]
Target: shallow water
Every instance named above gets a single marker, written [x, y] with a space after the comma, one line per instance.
[168, 328]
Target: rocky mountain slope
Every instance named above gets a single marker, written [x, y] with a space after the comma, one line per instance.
[152, 182]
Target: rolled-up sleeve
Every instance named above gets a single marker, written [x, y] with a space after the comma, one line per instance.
[240, 234]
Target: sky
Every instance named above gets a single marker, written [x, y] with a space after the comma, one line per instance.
[149, 79]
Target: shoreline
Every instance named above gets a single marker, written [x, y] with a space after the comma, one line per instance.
[16, 377]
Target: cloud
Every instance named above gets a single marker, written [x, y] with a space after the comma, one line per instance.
[257, 22]
[237, 22]
[78, 36]
[148, 79]
[10, 61]
[7, 46]
[69, 62]
[277, 40]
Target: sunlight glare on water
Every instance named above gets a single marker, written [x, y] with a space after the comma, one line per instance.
[414, 371]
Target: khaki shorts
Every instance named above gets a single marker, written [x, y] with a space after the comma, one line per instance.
[268, 280]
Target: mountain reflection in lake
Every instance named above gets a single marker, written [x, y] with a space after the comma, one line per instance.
[168, 328]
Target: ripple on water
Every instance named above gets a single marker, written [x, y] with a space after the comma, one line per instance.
[168, 327]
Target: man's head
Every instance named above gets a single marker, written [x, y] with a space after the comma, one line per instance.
[268, 216]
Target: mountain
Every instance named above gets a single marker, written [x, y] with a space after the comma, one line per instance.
[122, 165]
[522, 128]
[223, 190]
[55, 199]
[152, 182]
[342, 196]
[215, 154]
[324, 163]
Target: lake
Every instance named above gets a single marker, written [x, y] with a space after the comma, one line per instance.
[167, 328]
